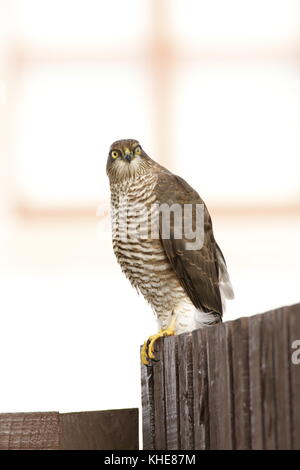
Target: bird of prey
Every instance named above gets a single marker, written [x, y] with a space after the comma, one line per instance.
[186, 285]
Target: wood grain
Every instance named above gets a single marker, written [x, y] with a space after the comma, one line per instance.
[229, 386]
[148, 407]
[293, 315]
[29, 431]
[255, 389]
[171, 393]
[282, 365]
[240, 373]
[90, 430]
[160, 441]
[200, 390]
[219, 386]
[185, 376]
[267, 368]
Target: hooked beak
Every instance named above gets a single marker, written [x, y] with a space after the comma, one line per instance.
[128, 157]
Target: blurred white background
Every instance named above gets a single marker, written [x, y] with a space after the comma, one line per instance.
[212, 90]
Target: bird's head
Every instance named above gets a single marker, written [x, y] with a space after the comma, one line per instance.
[126, 158]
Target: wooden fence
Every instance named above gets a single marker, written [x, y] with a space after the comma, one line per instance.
[231, 386]
[89, 430]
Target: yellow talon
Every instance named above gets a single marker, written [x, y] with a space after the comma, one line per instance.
[144, 355]
[148, 346]
[154, 338]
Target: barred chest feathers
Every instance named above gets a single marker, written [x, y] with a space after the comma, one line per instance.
[143, 259]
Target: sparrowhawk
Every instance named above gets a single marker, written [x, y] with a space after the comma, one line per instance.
[186, 286]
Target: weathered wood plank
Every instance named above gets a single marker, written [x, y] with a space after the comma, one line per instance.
[200, 398]
[256, 411]
[282, 359]
[267, 368]
[185, 375]
[171, 393]
[231, 386]
[148, 407]
[91, 430]
[99, 430]
[240, 372]
[29, 431]
[293, 313]
[159, 398]
[220, 403]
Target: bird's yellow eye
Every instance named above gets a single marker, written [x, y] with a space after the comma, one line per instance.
[138, 150]
[115, 154]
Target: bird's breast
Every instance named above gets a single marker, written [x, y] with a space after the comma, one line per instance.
[136, 243]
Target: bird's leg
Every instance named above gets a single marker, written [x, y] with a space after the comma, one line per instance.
[148, 346]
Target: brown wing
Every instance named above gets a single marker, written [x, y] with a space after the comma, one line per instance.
[197, 270]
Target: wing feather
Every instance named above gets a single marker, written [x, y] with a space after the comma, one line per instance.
[197, 270]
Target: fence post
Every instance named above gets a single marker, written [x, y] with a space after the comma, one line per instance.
[229, 386]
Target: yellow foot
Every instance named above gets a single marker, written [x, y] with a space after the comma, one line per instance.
[144, 354]
[147, 351]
